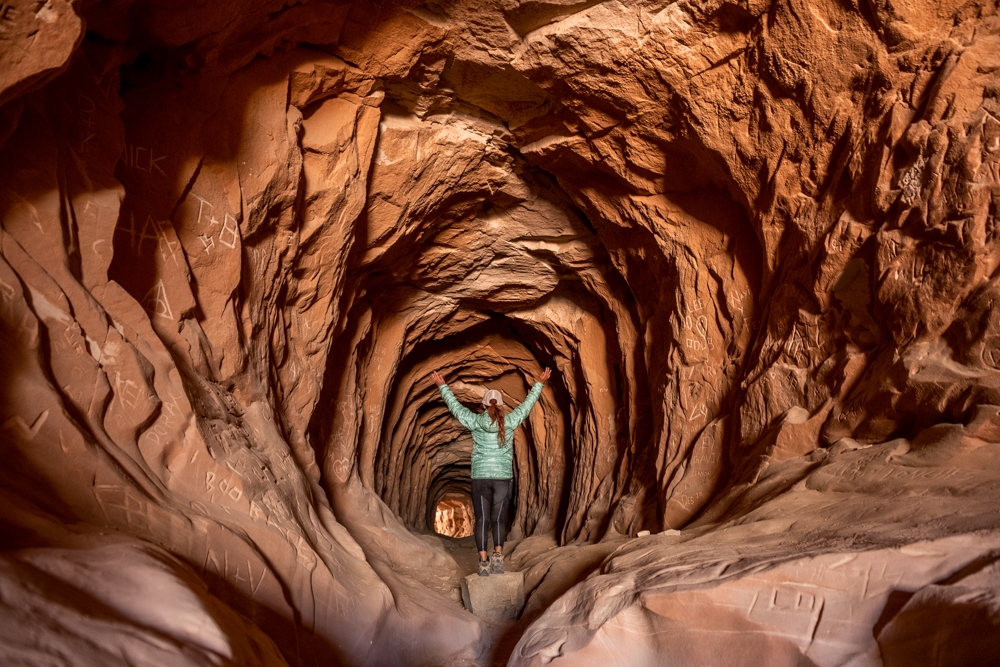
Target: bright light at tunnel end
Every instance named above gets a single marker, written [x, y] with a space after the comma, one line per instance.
[453, 517]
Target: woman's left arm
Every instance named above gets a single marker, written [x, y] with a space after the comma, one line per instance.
[520, 413]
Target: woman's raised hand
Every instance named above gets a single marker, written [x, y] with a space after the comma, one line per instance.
[546, 374]
[438, 380]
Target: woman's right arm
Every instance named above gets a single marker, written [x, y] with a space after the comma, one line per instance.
[464, 415]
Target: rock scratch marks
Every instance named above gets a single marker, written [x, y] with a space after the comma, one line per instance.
[17, 423]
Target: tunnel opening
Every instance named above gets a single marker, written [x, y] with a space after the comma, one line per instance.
[454, 516]
[568, 455]
[425, 448]
[449, 488]
[517, 262]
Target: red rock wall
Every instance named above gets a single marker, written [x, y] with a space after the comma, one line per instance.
[237, 239]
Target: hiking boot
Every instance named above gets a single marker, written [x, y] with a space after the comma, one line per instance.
[484, 568]
[496, 563]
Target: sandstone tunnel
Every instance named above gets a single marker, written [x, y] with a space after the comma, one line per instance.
[757, 242]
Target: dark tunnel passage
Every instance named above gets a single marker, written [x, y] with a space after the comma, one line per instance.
[426, 453]
[422, 454]
[505, 276]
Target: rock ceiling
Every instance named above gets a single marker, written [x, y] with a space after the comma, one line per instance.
[758, 243]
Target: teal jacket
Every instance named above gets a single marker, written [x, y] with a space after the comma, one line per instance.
[490, 461]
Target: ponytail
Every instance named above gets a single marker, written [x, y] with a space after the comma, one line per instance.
[496, 417]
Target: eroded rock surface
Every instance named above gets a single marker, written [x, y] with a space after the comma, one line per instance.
[91, 605]
[757, 242]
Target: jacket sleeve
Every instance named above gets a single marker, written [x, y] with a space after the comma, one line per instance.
[463, 414]
[520, 413]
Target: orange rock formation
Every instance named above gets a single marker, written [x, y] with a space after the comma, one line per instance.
[758, 241]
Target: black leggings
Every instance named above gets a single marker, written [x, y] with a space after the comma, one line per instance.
[491, 498]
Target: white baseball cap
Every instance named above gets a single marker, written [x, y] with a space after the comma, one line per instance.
[492, 395]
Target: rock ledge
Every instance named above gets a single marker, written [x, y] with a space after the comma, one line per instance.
[498, 597]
